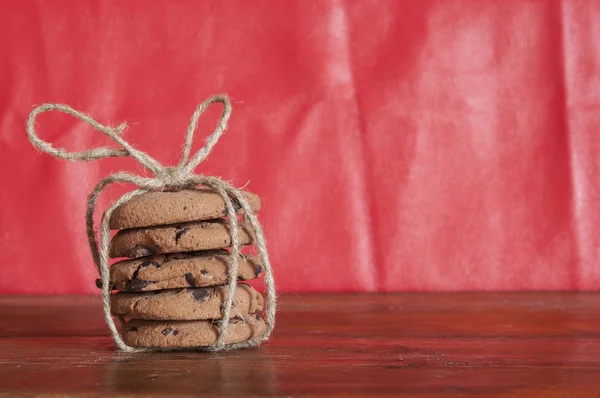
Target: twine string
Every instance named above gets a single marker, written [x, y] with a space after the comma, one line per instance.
[172, 177]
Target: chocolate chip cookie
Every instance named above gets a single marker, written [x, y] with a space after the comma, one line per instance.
[189, 334]
[167, 207]
[192, 236]
[185, 304]
[178, 270]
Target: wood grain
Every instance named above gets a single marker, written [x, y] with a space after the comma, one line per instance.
[451, 344]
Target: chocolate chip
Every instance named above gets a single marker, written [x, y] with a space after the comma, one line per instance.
[184, 207]
[175, 332]
[135, 284]
[140, 251]
[166, 331]
[179, 233]
[133, 329]
[203, 272]
[236, 206]
[257, 270]
[149, 263]
[257, 317]
[190, 279]
[201, 295]
[99, 284]
[240, 278]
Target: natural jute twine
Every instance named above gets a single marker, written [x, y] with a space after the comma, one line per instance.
[165, 177]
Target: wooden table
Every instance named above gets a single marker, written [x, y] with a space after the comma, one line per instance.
[455, 344]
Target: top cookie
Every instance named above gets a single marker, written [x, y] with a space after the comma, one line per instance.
[167, 207]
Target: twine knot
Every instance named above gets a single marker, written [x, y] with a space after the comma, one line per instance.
[172, 177]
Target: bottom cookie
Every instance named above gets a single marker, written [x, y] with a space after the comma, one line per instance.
[189, 334]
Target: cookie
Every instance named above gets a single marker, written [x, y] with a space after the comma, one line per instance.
[189, 334]
[185, 304]
[168, 207]
[192, 236]
[170, 271]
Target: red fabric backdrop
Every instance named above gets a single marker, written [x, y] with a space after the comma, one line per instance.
[398, 145]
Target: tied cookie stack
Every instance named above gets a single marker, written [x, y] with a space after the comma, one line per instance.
[181, 286]
[174, 286]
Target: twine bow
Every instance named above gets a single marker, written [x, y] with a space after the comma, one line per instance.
[171, 177]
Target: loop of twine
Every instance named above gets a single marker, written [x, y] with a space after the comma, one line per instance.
[173, 177]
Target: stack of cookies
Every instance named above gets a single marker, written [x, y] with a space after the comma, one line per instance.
[173, 284]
